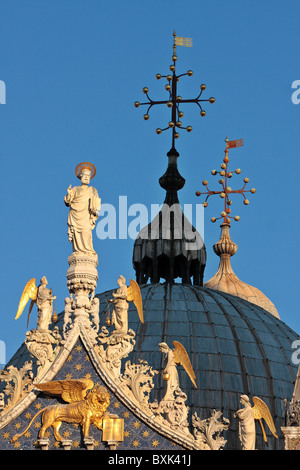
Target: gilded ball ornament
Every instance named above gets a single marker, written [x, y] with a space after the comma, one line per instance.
[202, 87]
[158, 131]
[158, 76]
[146, 117]
[246, 202]
[189, 128]
[253, 190]
[145, 89]
[238, 171]
[246, 180]
[169, 104]
[198, 193]
[166, 376]
[205, 204]
[202, 113]
[212, 100]
[136, 104]
[189, 73]
[205, 183]
[213, 219]
[237, 218]
[214, 172]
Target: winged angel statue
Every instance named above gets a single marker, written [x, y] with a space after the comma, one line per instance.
[120, 301]
[42, 297]
[176, 357]
[86, 404]
[247, 417]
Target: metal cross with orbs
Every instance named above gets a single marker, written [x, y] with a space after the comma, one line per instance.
[174, 100]
[226, 191]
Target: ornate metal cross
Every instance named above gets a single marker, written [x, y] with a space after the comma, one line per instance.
[174, 100]
[226, 191]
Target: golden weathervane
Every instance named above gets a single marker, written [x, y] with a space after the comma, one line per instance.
[225, 192]
[174, 100]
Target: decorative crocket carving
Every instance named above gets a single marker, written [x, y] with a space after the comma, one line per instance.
[207, 431]
[174, 412]
[293, 417]
[138, 378]
[118, 346]
[18, 384]
[44, 346]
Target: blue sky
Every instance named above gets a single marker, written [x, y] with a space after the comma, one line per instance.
[73, 70]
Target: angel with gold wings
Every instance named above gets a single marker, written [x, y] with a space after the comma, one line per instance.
[247, 417]
[42, 297]
[120, 301]
[176, 357]
[86, 404]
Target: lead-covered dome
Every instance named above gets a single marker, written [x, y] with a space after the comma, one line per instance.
[235, 348]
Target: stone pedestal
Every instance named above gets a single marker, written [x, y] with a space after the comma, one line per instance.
[89, 443]
[44, 443]
[66, 444]
[82, 277]
[291, 437]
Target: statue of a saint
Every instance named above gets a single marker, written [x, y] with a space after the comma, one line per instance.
[247, 417]
[119, 315]
[84, 204]
[44, 302]
[246, 424]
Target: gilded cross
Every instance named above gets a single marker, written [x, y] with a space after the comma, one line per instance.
[226, 191]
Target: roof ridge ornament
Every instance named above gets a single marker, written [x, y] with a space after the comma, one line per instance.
[174, 100]
[226, 190]
[225, 280]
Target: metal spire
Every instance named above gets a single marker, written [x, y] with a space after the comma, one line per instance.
[174, 100]
[226, 191]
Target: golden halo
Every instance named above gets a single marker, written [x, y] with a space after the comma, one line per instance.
[82, 166]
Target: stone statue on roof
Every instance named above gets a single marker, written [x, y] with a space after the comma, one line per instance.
[84, 204]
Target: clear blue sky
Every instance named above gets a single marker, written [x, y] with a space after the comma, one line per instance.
[73, 70]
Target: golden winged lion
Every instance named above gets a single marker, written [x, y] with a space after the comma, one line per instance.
[86, 404]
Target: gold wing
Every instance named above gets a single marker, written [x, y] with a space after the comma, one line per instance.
[134, 294]
[182, 357]
[260, 410]
[30, 292]
[70, 390]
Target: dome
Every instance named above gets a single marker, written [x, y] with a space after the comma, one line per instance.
[226, 280]
[235, 348]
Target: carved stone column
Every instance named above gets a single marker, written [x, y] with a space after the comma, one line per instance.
[82, 277]
[291, 437]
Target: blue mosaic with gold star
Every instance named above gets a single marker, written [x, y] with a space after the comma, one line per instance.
[137, 435]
